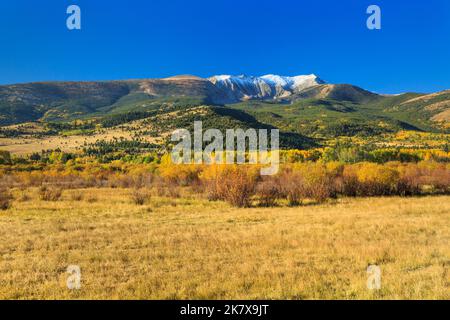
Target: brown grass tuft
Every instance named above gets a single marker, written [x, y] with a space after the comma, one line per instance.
[50, 193]
[5, 199]
[140, 196]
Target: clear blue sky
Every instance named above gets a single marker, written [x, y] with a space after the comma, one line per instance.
[158, 38]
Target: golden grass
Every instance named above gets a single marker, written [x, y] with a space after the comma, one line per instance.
[191, 248]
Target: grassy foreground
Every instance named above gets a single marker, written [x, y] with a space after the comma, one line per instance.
[190, 248]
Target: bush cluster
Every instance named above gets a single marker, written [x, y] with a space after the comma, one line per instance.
[240, 185]
[318, 182]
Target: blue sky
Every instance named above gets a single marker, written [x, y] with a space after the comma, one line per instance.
[158, 38]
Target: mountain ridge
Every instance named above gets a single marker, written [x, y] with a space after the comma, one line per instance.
[269, 86]
[224, 89]
[69, 100]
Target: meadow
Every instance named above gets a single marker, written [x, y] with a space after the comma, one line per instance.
[192, 248]
[144, 228]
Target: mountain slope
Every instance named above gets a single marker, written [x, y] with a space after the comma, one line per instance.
[24, 102]
[339, 92]
[427, 112]
[184, 86]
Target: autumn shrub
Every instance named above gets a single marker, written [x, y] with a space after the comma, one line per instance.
[210, 182]
[173, 192]
[407, 187]
[140, 196]
[238, 186]
[292, 186]
[319, 191]
[377, 180]
[50, 193]
[143, 180]
[77, 182]
[318, 183]
[119, 180]
[181, 174]
[8, 181]
[125, 180]
[409, 181]
[233, 183]
[347, 183]
[197, 187]
[165, 188]
[24, 197]
[31, 179]
[161, 191]
[439, 179]
[268, 192]
[76, 195]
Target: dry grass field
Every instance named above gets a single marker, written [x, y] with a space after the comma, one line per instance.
[26, 145]
[191, 248]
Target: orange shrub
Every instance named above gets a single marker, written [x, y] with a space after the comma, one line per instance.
[347, 183]
[232, 183]
[409, 181]
[268, 192]
[292, 186]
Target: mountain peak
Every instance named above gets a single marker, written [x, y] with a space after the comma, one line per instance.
[184, 77]
[270, 86]
[293, 83]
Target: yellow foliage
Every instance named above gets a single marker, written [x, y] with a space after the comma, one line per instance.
[371, 172]
[179, 173]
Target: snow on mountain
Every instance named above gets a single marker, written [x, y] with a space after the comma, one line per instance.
[293, 83]
[269, 86]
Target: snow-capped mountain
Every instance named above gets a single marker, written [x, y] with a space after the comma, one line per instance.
[265, 87]
[293, 83]
[52, 100]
